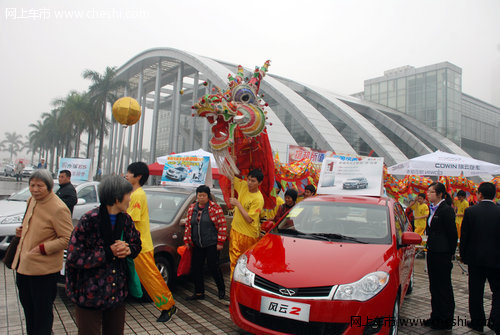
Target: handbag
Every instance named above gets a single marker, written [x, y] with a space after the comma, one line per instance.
[11, 252]
[134, 284]
[185, 263]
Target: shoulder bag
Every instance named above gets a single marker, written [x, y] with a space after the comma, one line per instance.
[134, 284]
[10, 253]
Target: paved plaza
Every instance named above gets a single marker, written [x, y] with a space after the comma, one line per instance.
[211, 316]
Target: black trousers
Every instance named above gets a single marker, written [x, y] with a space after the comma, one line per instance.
[442, 300]
[37, 295]
[198, 260]
[477, 279]
[110, 321]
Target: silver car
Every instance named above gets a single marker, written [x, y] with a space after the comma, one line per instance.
[178, 173]
[8, 170]
[27, 171]
[12, 209]
[168, 207]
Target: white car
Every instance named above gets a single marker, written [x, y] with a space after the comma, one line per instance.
[27, 171]
[12, 209]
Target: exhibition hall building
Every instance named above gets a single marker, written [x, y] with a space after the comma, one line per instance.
[405, 113]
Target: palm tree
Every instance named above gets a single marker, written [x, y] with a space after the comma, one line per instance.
[13, 143]
[100, 92]
[52, 135]
[36, 138]
[76, 117]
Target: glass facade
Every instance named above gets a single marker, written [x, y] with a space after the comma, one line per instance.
[431, 94]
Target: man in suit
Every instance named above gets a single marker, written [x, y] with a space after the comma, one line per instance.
[480, 250]
[441, 246]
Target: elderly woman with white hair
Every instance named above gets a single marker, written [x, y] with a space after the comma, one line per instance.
[44, 235]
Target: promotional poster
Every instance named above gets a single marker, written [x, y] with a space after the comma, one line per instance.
[297, 153]
[79, 167]
[187, 171]
[362, 177]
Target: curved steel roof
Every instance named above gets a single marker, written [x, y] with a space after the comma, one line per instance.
[312, 108]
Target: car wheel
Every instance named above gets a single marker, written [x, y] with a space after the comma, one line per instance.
[410, 286]
[395, 318]
[165, 268]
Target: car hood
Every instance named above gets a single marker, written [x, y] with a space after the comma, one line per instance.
[298, 262]
[8, 208]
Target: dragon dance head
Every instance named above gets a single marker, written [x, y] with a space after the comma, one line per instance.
[237, 107]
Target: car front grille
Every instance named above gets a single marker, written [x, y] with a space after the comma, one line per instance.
[303, 292]
[291, 326]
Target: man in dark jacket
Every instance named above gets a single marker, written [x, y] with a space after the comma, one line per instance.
[480, 250]
[67, 191]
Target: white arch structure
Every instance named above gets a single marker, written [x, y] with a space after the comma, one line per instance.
[170, 81]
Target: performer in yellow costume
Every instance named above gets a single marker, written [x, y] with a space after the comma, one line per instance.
[269, 214]
[460, 205]
[150, 277]
[420, 213]
[245, 228]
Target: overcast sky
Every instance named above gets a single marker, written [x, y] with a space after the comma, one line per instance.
[46, 45]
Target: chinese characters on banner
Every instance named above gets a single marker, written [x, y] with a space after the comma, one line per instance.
[187, 171]
[361, 177]
[78, 167]
[297, 153]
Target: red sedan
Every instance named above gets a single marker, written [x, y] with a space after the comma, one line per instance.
[334, 265]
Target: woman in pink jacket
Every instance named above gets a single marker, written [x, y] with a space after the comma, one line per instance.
[205, 233]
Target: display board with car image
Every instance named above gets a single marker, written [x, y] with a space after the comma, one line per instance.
[354, 177]
[186, 171]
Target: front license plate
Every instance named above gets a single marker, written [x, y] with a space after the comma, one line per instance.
[285, 308]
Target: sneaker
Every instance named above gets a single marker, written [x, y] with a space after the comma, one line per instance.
[166, 316]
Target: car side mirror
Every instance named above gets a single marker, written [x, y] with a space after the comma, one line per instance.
[410, 237]
[266, 226]
[81, 201]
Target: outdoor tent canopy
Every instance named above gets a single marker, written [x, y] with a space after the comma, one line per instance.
[441, 163]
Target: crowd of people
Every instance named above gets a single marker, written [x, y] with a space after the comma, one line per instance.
[446, 223]
[106, 238]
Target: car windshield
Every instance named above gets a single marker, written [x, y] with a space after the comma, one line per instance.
[163, 206]
[337, 221]
[24, 194]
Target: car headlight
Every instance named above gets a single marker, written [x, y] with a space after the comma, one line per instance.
[364, 289]
[12, 219]
[241, 273]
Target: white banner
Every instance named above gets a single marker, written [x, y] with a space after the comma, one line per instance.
[363, 177]
[79, 167]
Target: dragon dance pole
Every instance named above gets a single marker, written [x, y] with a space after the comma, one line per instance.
[233, 156]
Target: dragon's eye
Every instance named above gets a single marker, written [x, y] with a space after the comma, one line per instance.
[243, 93]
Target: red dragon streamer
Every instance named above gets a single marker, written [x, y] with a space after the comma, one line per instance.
[239, 136]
